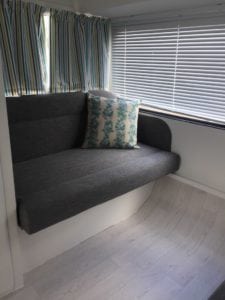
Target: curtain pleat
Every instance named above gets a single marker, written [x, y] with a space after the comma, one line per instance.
[22, 47]
[97, 39]
[79, 52]
[65, 55]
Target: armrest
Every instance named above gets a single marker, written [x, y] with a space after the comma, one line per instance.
[154, 132]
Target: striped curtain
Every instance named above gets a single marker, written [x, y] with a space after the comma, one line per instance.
[97, 53]
[22, 45]
[67, 62]
[79, 52]
[10, 70]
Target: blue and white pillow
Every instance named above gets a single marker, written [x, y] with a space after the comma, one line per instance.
[112, 123]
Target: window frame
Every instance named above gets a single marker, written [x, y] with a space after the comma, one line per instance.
[180, 117]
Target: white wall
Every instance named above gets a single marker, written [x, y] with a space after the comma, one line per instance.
[10, 276]
[202, 151]
[10, 258]
[6, 268]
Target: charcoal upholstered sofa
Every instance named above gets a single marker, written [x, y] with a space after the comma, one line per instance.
[55, 179]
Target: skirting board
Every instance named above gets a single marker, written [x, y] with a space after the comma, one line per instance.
[38, 248]
[198, 186]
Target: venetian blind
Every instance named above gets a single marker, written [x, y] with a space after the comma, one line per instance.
[180, 68]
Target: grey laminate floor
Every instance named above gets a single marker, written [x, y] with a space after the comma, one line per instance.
[173, 248]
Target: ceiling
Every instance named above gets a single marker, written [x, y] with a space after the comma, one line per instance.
[60, 4]
[117, 8]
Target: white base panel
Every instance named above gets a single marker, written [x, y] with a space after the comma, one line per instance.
[38, 248]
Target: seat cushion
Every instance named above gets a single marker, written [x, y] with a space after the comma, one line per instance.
[52, 188]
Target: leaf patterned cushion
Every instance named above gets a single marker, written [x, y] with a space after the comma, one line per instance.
[112, 123]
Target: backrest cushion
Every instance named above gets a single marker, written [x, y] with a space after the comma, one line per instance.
[45, 124]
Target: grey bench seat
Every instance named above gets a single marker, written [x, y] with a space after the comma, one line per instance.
[55, 179]
[55, 187]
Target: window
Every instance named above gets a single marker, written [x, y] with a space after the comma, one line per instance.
[46, 23]
[178, 68]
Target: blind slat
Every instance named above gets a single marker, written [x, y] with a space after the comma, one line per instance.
[179, 68]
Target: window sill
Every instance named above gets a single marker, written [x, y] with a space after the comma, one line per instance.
[180, 117]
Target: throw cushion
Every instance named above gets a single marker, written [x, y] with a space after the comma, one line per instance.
[112, 123]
